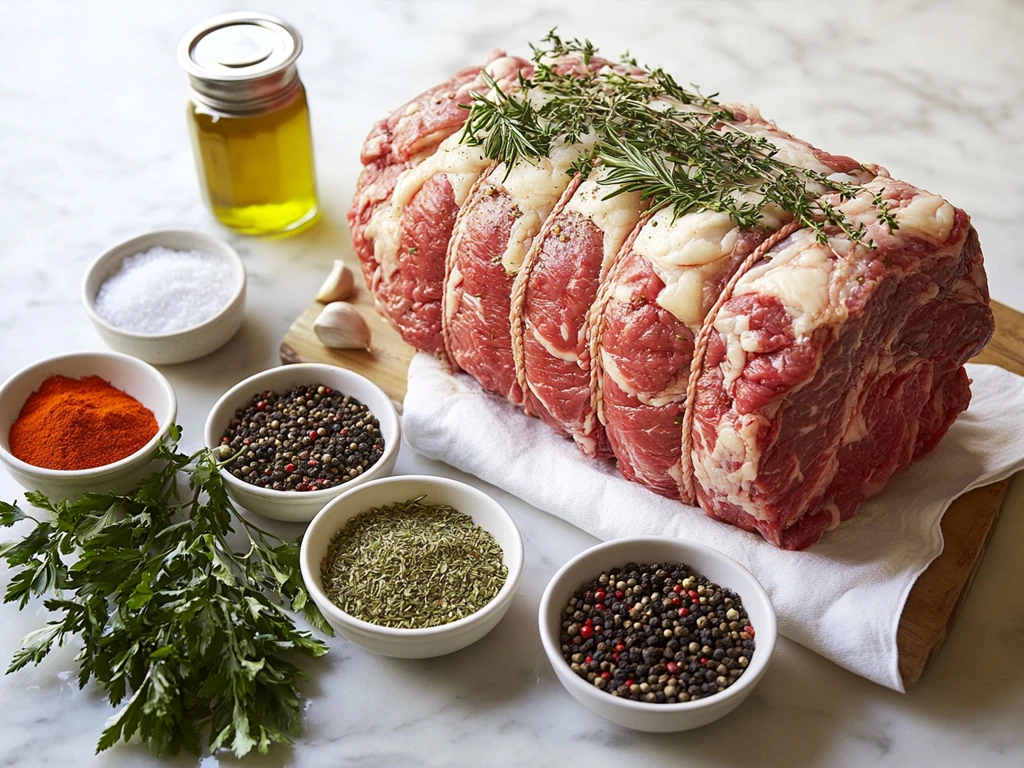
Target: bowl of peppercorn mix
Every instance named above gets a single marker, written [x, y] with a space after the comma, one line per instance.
[295, 437]
[657, 634]
[83, 422]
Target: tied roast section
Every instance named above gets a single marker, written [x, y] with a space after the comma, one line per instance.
[776, 374]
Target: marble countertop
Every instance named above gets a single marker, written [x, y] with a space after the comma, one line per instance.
[95, 150]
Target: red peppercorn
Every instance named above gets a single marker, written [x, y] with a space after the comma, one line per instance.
[312, 462]
[677, 589]
[261, 405]
[589, 622]
[620, 647]
[684, 612]
[301, 487]
[676, 601]
[703, 660]
[289, 468]
[672, 667]
[618, 593]
[589, 659]
[600, 607]
[586, 632]
[615, 657]
[693, 595]
[606, 675]
[629, 682]
[312, 435]
[328, 391]
[749, 630]
[600, 595]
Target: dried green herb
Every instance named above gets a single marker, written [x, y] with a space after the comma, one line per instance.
[412, 565]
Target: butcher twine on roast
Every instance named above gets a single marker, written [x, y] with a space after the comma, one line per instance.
[551, 302]
[416, 177]
[777, 374]
[494, 233]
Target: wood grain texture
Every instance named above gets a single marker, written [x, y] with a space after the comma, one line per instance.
[386, 363]
[935, 599]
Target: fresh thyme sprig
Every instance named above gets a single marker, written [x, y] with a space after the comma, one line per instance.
[193, 632]
[674, 146]
[507, 128]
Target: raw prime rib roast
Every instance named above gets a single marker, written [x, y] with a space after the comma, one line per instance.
[740, 320]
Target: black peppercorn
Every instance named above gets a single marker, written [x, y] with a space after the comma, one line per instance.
[310, 431]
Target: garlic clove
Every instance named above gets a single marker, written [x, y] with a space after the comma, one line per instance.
[338, 285]
[340, 326]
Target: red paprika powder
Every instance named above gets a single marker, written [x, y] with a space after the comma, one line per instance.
[79, 424]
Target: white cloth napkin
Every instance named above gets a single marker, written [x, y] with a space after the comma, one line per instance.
[842, 597]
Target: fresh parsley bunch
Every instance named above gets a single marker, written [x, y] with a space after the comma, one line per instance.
[188, 634]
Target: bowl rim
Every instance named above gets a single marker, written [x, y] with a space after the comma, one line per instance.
[104, 469]
[390, 446]
[328, 607]
[223, 250]
[748, 679]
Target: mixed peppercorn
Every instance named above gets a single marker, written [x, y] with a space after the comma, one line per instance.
[306, 439]
[657, 633]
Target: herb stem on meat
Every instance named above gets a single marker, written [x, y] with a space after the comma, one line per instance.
[675, 147]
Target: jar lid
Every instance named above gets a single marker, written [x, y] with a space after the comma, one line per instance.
[242, 62]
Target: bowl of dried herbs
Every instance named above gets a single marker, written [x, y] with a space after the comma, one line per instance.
[412, 566]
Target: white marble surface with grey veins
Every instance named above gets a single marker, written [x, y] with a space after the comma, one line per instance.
[93, 149]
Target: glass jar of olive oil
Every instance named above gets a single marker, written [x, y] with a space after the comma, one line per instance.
[249, 121]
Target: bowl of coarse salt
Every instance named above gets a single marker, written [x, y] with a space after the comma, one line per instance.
[167, 296]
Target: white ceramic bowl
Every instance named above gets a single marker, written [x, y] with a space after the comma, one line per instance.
[719, 568]
[413, 643]
[178, 347]
[296, 506]
[138, 379]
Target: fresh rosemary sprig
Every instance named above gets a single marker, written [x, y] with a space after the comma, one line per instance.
[506, 128]
[674, 146]
[191, 631]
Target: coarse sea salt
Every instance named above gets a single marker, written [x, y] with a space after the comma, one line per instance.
[164, 291]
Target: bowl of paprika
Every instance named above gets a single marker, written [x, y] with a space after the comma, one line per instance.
[83, 422]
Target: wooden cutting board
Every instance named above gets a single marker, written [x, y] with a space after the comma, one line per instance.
[935, 600]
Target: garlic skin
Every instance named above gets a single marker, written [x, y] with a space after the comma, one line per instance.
[340, 326]
[339, 284]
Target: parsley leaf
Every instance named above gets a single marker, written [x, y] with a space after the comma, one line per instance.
[191, 638]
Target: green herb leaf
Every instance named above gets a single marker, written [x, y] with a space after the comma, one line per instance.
[10, 514]
[35, 646]
[189, 637]
[674, 146]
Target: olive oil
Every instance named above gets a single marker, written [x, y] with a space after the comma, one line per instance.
[249, 122]
[257, 171]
